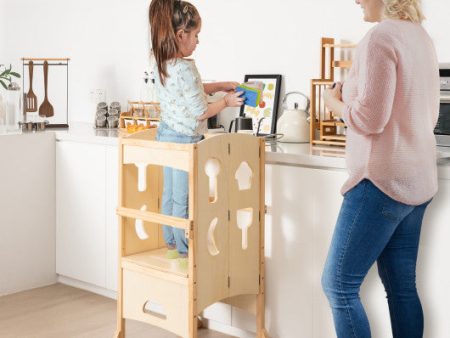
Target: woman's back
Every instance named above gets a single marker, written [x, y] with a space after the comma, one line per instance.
[392, 98]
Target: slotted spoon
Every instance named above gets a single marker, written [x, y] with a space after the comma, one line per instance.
[30, 98]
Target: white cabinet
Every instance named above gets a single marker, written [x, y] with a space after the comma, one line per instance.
[27, 212]
[433, 269]
[112, 221]
[80, 212]
[303, 204]
[86, 225]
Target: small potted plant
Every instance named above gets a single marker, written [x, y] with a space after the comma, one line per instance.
[6, 75]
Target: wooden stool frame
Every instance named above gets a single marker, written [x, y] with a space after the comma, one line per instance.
[220, 266]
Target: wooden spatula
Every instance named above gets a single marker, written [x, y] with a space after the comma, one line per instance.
[46, 109]
[30, 98]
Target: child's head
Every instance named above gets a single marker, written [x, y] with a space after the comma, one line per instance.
[175, 25]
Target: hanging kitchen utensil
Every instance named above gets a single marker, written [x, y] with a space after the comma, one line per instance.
[31, 99]
[293, 123]
[46, 109]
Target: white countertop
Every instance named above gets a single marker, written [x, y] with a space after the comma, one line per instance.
[85, 132]
[304, 155]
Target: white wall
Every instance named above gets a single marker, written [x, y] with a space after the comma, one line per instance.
[2, 29]
[107, 40]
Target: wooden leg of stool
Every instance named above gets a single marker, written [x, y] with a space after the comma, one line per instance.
[193, 328]
[260, 317]
[120, 332]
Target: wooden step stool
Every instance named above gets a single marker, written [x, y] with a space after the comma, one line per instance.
[225, 230]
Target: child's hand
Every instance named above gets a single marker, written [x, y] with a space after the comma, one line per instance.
[234, 99]
[230, 86]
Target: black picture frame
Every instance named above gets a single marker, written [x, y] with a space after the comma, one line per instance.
[268, 111]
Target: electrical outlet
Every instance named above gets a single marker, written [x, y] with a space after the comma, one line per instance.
[97, 95]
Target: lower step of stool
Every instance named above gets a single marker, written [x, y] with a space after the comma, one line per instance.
[156, 301]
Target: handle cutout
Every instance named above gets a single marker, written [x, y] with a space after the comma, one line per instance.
[142, 176]
[212, 247]
[212, 170]
[139, 227]
[155, 309]
[244, 220]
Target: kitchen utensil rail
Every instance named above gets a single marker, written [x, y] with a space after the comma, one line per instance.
[51, 62]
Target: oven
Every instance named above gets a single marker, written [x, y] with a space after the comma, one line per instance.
[442, 129]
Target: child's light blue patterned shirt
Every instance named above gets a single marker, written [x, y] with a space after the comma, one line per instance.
[182, 98]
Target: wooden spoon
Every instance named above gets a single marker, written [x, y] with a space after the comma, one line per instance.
[46, 109]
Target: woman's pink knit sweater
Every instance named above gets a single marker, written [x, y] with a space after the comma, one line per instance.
[391, 101]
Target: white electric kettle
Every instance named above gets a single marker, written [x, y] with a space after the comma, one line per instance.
[293, 123]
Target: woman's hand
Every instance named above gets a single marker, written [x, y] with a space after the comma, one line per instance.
[333, 92]
[333, 99]
[234, 99]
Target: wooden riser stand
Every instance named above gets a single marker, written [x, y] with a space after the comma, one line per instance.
[325, 128]
[225, 229]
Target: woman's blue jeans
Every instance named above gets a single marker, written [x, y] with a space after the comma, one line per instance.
[373, 227]
[175, 191]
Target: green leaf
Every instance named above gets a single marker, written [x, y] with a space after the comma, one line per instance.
[14, 74]
[3, 84]
[3, 73]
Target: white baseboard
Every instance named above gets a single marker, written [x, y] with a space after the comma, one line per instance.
[229, 330]
[86, 286]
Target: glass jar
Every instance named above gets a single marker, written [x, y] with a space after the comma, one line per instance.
[2, 112]
[13, 107]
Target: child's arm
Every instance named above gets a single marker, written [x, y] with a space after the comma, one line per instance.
[229, 100]
[211, 88]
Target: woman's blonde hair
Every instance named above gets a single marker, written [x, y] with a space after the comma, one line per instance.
[404, 9]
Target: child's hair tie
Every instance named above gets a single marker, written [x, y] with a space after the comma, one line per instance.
[185, 9]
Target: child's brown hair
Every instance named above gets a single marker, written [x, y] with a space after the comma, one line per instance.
[166, 18]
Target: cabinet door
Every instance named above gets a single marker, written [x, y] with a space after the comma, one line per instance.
[112, 220]
[80, 212]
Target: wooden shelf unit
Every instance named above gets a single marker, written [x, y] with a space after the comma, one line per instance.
[325, 129]
[220, 267]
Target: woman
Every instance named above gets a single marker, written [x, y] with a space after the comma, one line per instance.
[390, 103]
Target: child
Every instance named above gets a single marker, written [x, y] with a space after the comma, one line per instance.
[175, 26]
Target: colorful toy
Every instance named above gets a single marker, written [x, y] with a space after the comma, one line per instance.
[252, 92]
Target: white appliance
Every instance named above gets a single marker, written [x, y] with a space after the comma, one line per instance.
[293, 123]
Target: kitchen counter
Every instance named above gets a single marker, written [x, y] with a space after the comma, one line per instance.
[305, 155]
[86, 133]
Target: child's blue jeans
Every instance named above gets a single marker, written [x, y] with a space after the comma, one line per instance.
[175, 191]
[373, 227]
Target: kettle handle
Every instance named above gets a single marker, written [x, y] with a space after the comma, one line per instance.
[298, 93]
[231, 125]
